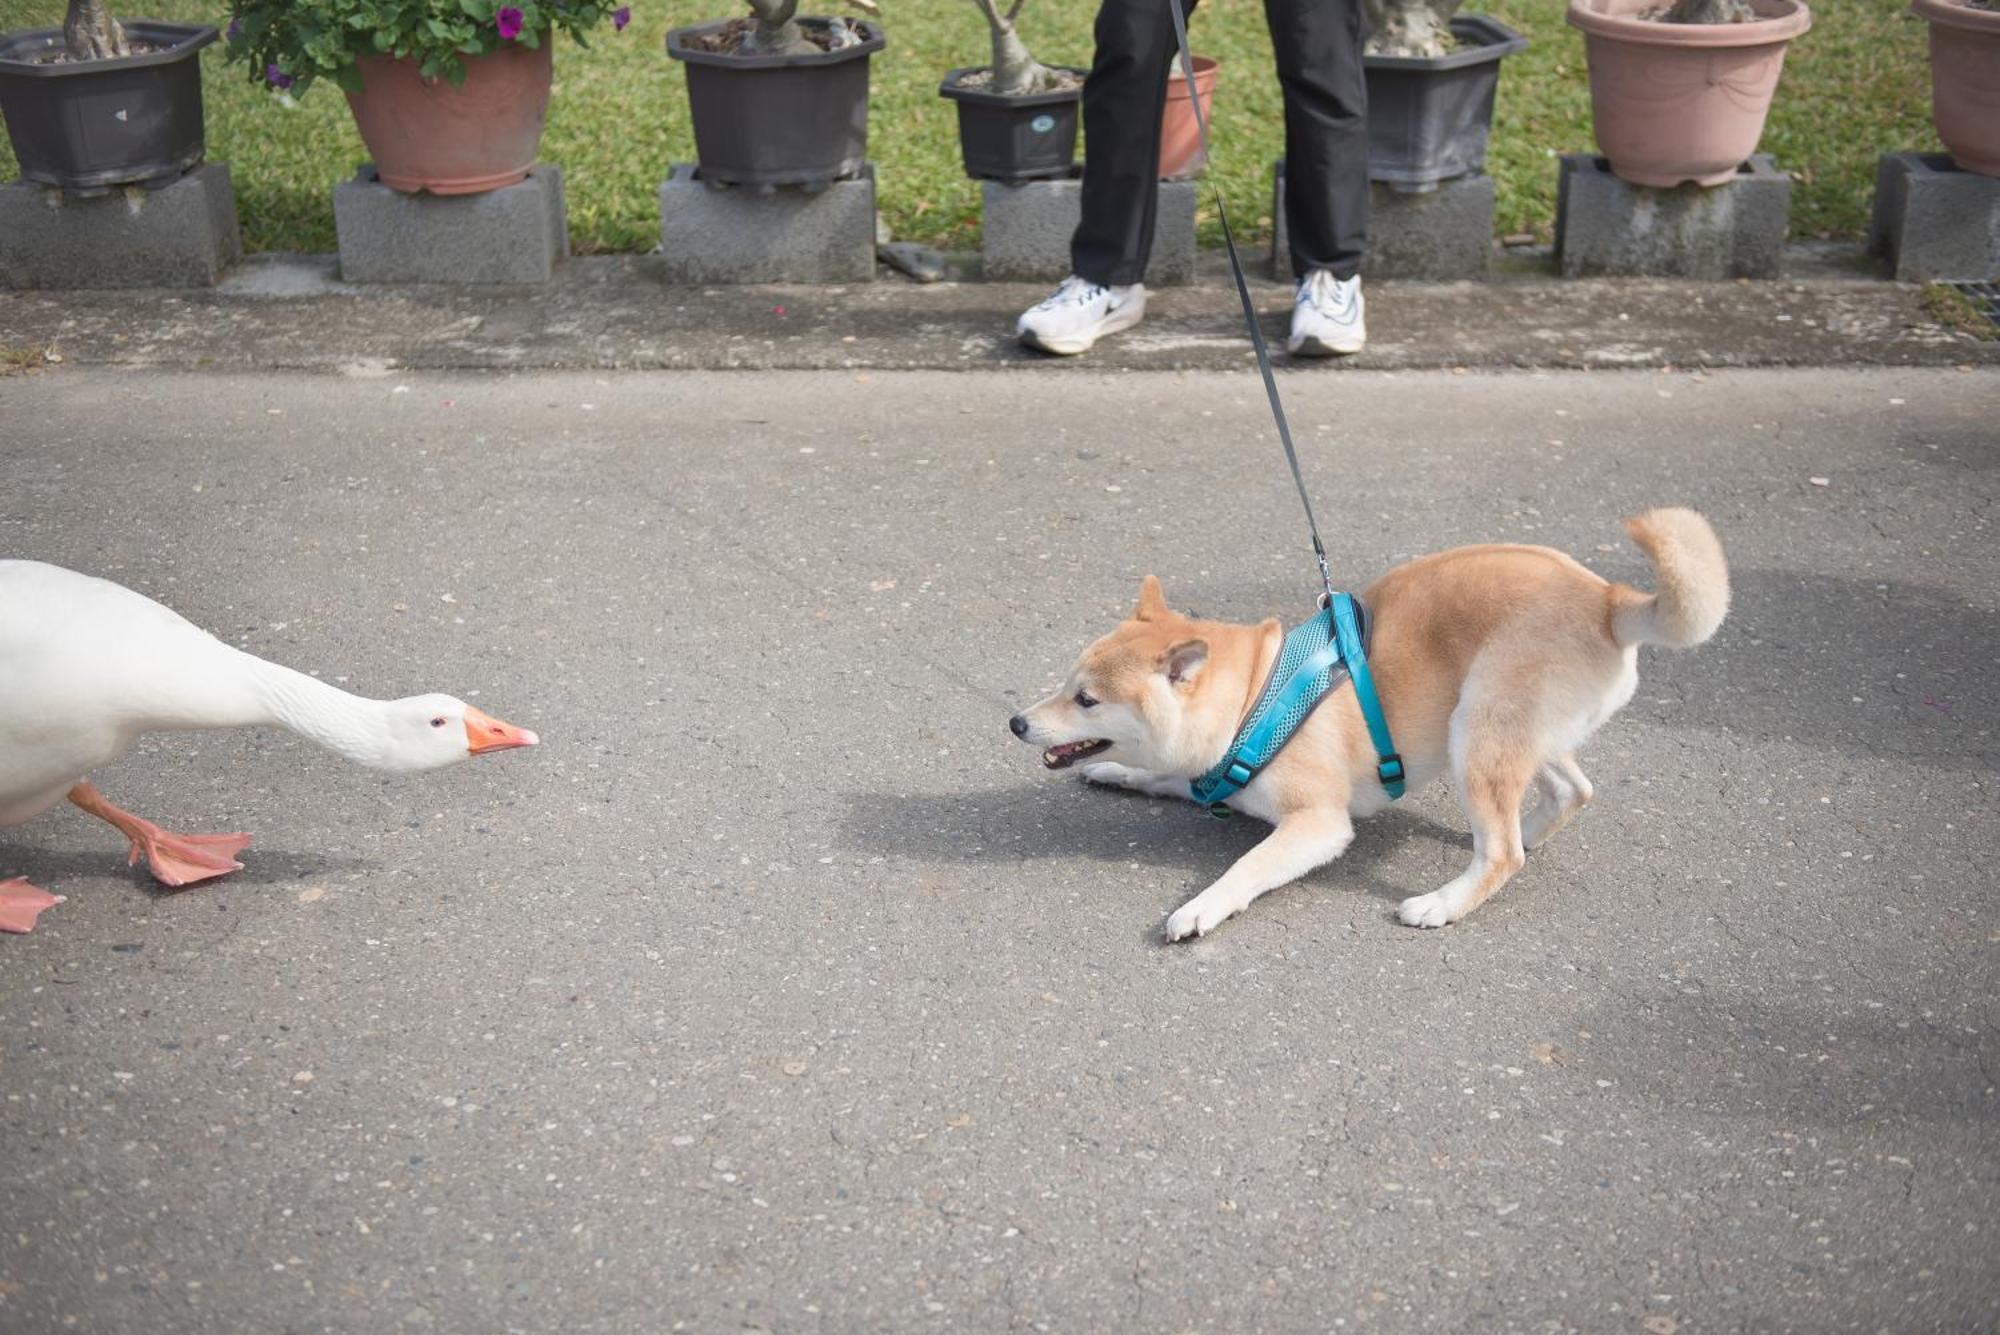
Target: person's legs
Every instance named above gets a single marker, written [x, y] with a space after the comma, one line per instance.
[1318, 45]
[1122, 102]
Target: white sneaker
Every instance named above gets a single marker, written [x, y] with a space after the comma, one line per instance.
[1080, 312]
[1327, 317]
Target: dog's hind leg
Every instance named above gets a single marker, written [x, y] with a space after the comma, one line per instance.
[1491, 778]
[1111, 774]
[1564, 789]
[1303, 840]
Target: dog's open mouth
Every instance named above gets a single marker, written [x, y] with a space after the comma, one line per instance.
[1062, 757]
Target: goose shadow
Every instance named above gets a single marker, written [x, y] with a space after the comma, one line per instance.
[263, 868]
[1026, 823]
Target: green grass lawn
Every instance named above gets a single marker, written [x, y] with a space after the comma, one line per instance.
[1856, 85]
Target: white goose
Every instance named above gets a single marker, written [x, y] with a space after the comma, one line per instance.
[87, 665]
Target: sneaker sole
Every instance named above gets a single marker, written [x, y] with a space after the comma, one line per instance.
[1319, 347]
[1117, 322]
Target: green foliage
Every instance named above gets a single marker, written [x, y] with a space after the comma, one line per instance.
[293, 43]
[1856, 86]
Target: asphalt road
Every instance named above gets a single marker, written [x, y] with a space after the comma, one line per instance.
[781, 990]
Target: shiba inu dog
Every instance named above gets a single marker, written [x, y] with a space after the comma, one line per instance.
[1494, 663]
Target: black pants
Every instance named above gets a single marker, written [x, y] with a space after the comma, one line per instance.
[1326, 135]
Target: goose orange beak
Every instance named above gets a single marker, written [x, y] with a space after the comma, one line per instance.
[485, 733]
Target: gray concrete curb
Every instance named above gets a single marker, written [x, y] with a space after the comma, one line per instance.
[613, 312]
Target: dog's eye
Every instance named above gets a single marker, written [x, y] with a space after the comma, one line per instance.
[1085, 700]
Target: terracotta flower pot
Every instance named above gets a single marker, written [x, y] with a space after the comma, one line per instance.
[1965, 81]
[427, 135]
[1180, 137]
[1674, 102]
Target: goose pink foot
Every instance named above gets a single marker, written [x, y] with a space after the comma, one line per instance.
[174, 859]
[21, 904]
[187, 859]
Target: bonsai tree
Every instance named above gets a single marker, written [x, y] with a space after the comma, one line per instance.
[90, 33]
[776, 31]
[1015, 72]
[1422, 28]
[1417, 28]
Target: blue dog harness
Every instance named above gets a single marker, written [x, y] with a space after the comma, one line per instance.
[1316, 657]
[1330, 648]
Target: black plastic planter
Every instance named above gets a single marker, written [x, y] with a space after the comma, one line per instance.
[777, 120]
[88, 126]
[1428, 119]
[1029, 137]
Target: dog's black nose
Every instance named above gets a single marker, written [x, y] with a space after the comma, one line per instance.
[1019, 723]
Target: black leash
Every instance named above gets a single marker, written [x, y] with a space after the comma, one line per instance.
[1250, 307]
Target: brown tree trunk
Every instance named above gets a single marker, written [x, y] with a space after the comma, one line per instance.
[90, 33]
[1015, 71]
[776, 33]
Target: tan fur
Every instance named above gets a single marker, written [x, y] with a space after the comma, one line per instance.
[1494, 664]
[1693, 578]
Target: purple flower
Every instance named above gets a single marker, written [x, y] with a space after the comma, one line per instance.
[508, 20]
[277, 78]
[235, 29]
[620, 17]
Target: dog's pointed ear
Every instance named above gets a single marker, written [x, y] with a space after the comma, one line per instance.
[1152, 602]
[1184, 662]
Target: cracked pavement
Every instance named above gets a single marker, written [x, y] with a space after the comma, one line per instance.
[781, 990]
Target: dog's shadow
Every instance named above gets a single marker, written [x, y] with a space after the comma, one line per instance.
[1027, 822]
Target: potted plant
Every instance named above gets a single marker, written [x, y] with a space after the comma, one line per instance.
[1431, 82]
[1680, 93]
[1180, 135]
[1965, 79]
[99, 104]
[1016, 116]
[450, 96]
[777, 99]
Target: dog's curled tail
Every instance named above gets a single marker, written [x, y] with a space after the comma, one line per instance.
[1691, 575]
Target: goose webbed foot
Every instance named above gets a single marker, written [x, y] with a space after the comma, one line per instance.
[21, 904]
[187, 859]
[174, 859]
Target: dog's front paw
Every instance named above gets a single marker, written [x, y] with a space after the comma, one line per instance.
[1431, 910]
[1200, 916]
[1108, 774]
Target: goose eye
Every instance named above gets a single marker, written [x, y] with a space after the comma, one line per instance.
[1085, 700]
[438, 722]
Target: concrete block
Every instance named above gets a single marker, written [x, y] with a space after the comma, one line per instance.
[1934, 220]
[1025, 230]
[181, 235]
[1440, 235]
[1608, 226]
[512, 235]
[788, 234]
